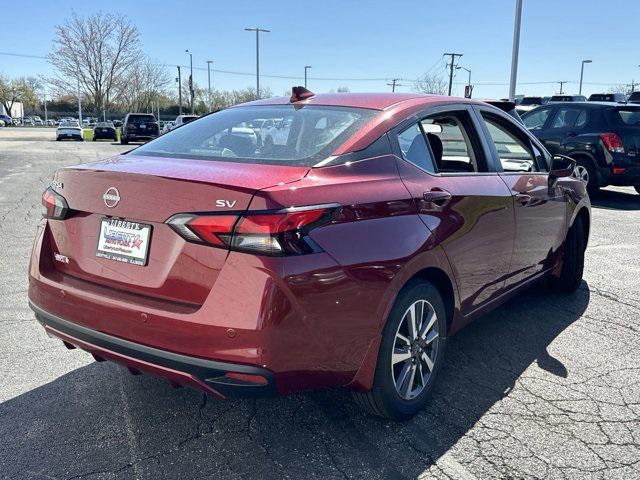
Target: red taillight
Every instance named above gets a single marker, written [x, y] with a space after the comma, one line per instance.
[612, 142]
[277, 233]
[618, 170]
[54, 205]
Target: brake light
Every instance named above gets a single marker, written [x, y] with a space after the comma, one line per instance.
[54, 205]
[612, 142]
[283, 232]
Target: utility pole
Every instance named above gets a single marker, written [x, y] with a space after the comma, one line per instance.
[306, 67]
[582, 75]
[515, 50]
[561, 85]
[209, 62]
[257, 30]
[452, 66]
[394, 83]
[179, 79]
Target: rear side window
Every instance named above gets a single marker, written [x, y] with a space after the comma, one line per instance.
[625, 116]
[569, 118]
[292, 135]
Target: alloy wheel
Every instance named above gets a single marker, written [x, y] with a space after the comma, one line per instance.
[415, 349]
[581, 173]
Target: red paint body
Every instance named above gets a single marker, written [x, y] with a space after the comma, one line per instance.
[312, 320]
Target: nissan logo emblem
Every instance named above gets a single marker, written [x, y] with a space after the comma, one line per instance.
[111, 197]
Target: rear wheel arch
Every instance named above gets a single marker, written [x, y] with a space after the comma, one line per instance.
[442, 282]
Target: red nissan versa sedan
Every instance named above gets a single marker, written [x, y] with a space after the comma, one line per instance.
[314, 241]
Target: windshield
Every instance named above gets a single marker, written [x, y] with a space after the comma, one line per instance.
[70, 123]
[104, 124]
[297, 135]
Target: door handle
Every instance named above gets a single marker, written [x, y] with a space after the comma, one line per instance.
[437, 196]
[523, 198]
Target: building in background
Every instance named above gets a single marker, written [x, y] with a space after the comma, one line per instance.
[17, 110]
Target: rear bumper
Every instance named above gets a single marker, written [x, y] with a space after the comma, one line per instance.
[180, 370]
[630, 176]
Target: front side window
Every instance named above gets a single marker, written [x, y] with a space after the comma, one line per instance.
[514, 153]
[289, 136]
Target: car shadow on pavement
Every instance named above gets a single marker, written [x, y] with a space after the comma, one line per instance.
[100, 422]
[615, 200]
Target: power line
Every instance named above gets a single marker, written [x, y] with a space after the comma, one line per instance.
[337, 79]
[394, 83]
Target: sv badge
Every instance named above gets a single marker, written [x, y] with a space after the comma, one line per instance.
[225, 203]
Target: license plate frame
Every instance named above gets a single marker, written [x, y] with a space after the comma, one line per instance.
[124, 241]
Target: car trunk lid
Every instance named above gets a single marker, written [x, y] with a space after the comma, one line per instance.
[148, 191]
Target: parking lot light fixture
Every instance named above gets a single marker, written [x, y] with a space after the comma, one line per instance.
[257, 30]
[582, 75]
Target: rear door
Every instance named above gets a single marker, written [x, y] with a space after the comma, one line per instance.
[540, 211]
[460, 197]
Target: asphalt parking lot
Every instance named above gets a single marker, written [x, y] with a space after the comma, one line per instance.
[547, 386]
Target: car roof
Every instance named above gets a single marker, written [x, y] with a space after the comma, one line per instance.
[375, 101]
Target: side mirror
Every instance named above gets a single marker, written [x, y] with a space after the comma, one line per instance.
[561, 166]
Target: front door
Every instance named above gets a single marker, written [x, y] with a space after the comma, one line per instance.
[465, 204]
[540, 211]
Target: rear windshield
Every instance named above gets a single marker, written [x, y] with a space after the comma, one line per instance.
[628, 116]
[104, 124]
[293, 135]
[141, 118]
[531, 101]
[601, 97]
[561, 98]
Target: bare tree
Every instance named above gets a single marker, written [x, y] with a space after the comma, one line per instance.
[96, 51]
[144, 84]
[431, 83]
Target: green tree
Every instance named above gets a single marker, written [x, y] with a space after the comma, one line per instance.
[23, 89]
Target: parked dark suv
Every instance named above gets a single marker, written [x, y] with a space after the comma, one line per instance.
[568, 98]
[608, 97]
[603, 138]
[139, 126]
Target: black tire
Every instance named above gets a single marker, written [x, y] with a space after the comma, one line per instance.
[384, 399]
[124, 141]
[593, 186]
[572, 267]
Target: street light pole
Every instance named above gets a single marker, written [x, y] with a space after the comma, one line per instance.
[179, 79]
[306, 67]
[209, 62]
[257, 30]
[582, 75]
[190, 79]
[79, 104]
[515, 50]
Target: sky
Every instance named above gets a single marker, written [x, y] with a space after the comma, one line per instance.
[348, 41]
